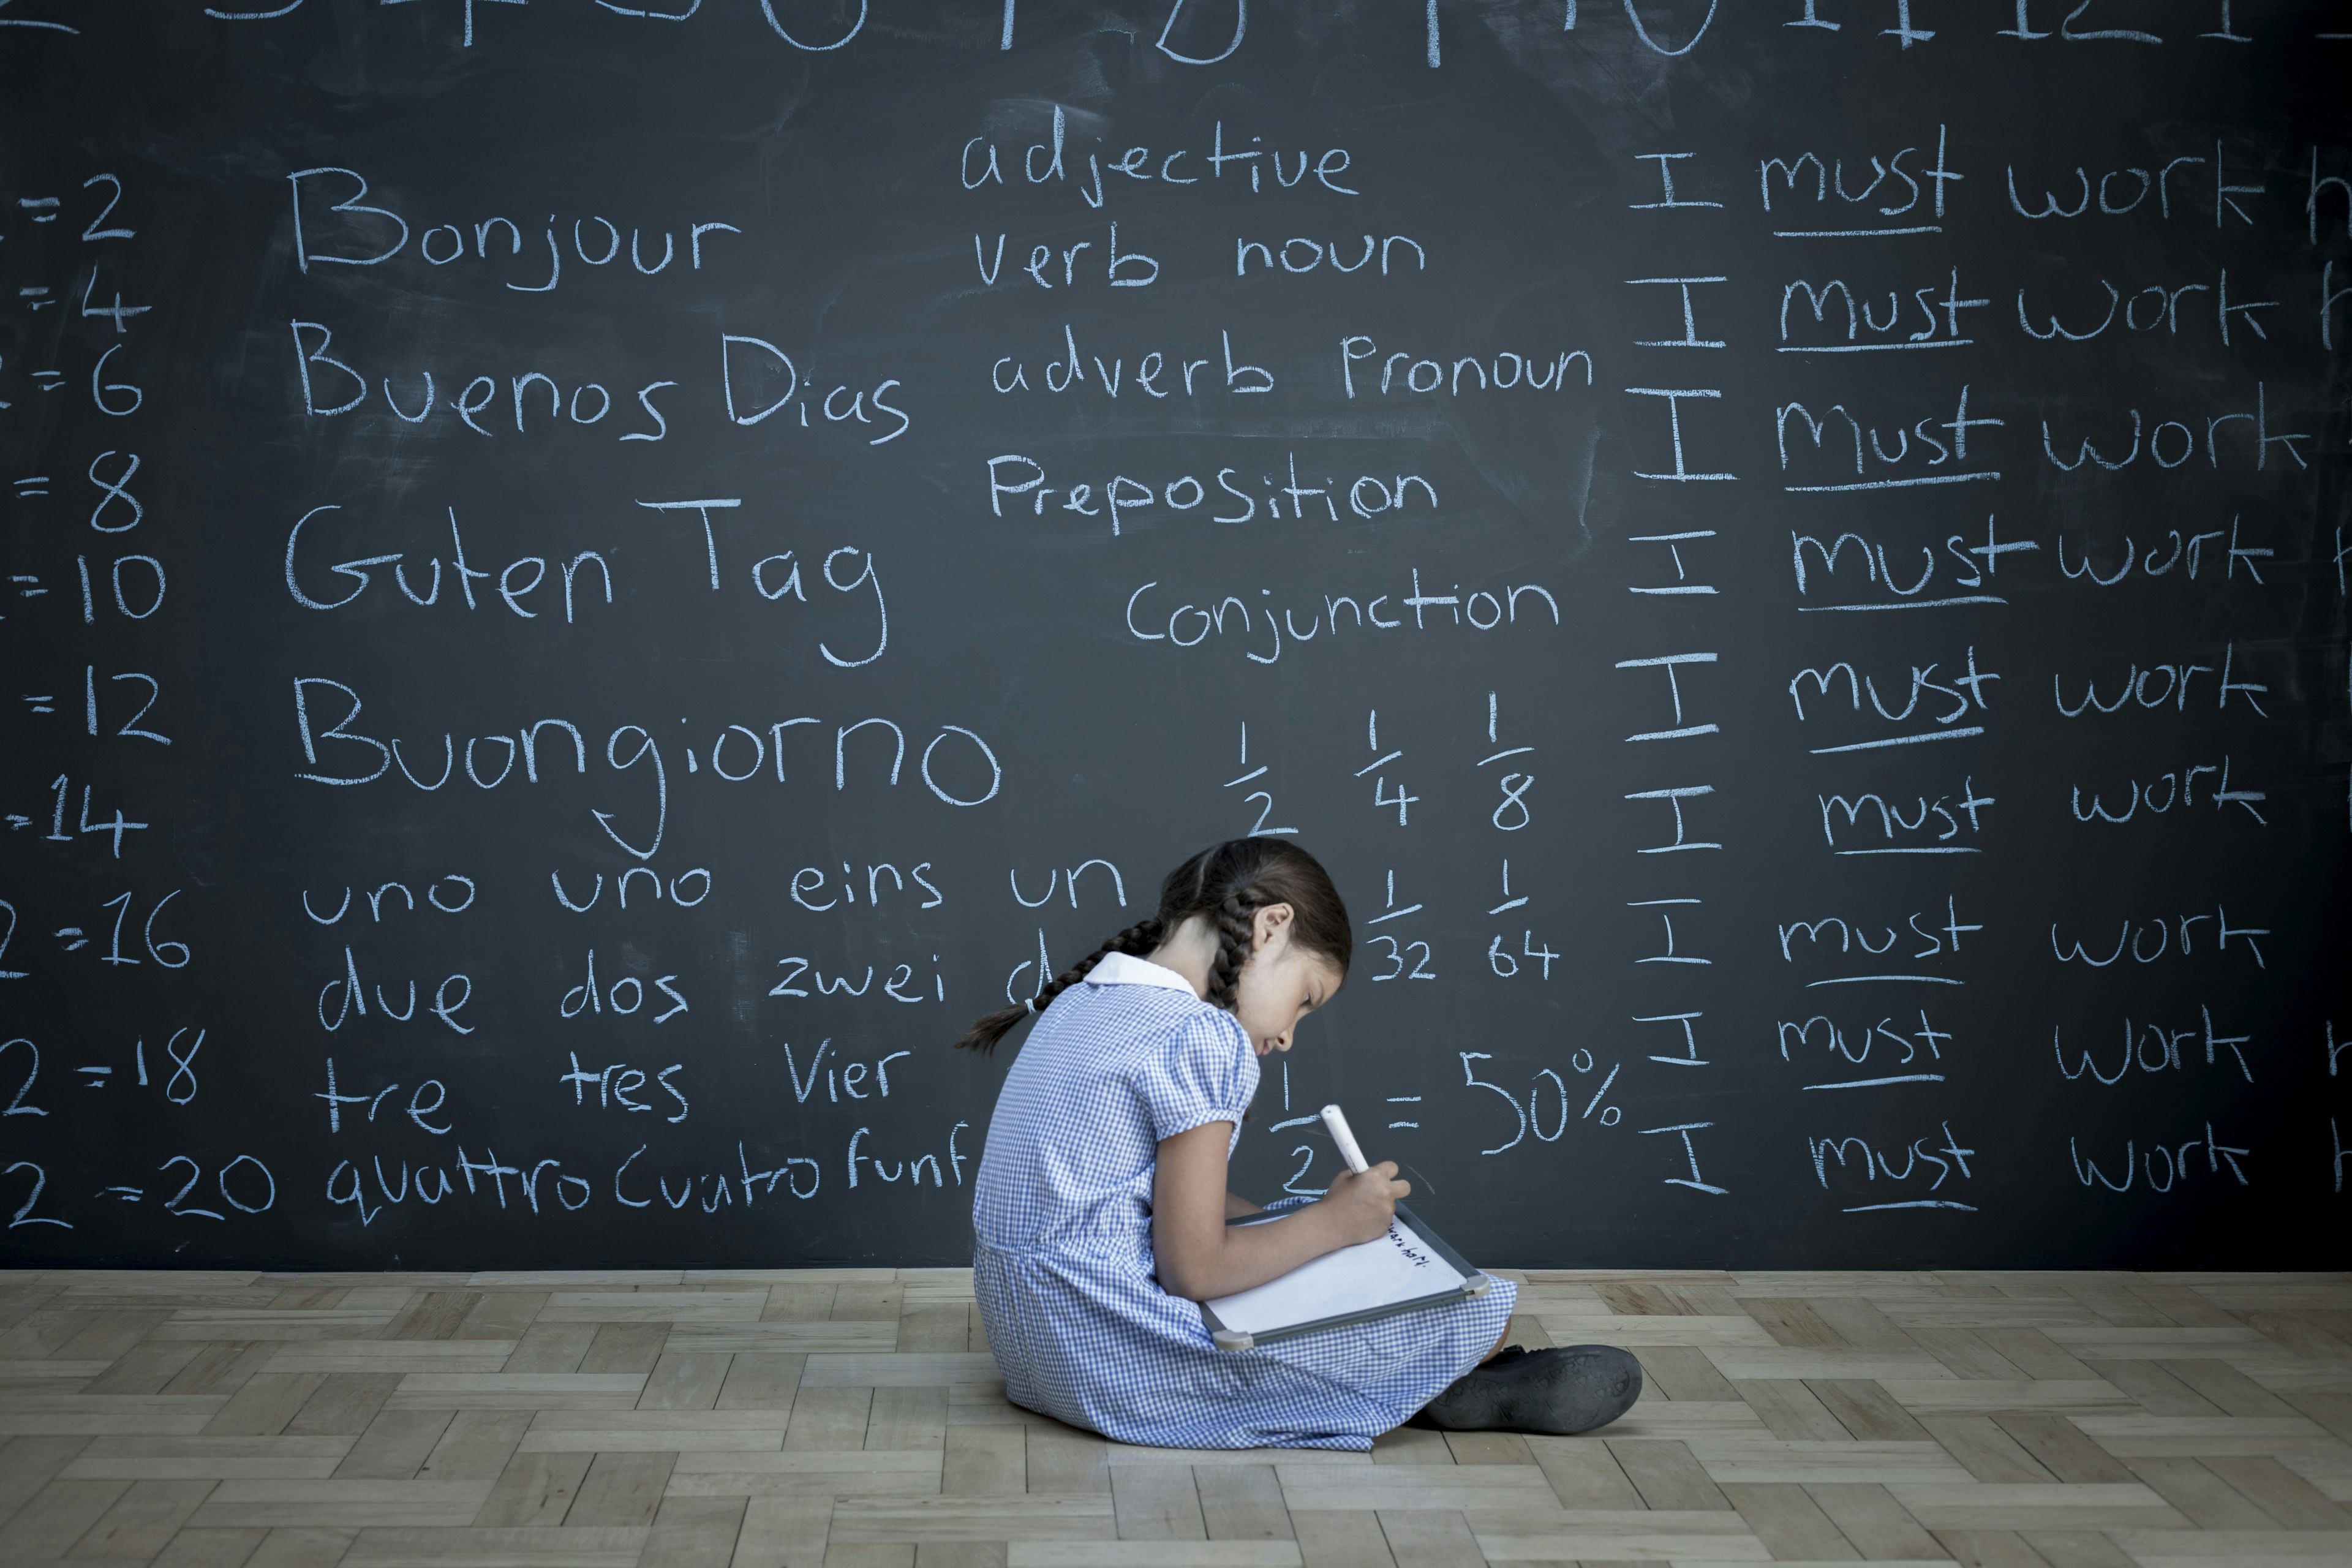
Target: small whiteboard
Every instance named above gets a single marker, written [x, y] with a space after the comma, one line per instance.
[1408, 1269]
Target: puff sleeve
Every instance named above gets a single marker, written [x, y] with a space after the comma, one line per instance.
[1202, 1071]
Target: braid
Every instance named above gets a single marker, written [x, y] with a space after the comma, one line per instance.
[1225, 885]
[1135, 942]
[1234, 941]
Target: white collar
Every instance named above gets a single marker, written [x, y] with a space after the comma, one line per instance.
[1119, 969]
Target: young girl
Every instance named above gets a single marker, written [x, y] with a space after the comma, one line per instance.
[1100, 1205]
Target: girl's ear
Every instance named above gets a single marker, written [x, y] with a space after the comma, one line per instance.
[1270, 924]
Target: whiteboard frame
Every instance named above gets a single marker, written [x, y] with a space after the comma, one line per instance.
[1473, 1285]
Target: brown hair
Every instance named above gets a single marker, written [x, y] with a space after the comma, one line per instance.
[1229, 883]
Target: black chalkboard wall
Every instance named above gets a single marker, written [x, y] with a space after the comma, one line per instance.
[587, 583]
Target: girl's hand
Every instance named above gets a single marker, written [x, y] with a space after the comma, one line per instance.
[1362, 1204]
[1199, 1256]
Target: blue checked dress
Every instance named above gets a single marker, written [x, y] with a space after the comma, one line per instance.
[1062, 1260]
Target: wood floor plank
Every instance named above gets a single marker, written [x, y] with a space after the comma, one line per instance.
[908, 1419]
[983, 1461]
[59, 1514]
[1792, 1321]
[501, 1315]
[1243, 1502]
[829, 1419]
[1429, 1539]
[1791, 1524]
[2205, 1434]
[1640, 1298]
[1867, 1410]
[1789, 1409]
[2066, 1396]
[1063, 1461]
[1157, 1502]
[2206, 1500]
[221, 1368]
[695, 1533]
[1035, 1517]
[1682, 1372]
[1859, 1322]
[433, 1315]
[2297, 1333]
[299, 1548]
[1740, 1458]
[2240, 1549]
[1598, 1535]
[796, 1302]
[142, 1520]
[28, 1464]
[394, 1445]
[145, 1368]
[623, 1490]
[1784, 1360]
[760, 1380]
[342, 1505]
[475, 1446]
[2062, 1447]
[2286, 1496]
[2034, 1352]
[517, 1391]
[2332, 1410]
[1341, 1539]
[473, 1547]
[191, 1548]
[548, 1347]
[623, 1347]
[685, 1380]
[265, 1404]
[653, 1306]
[918, 1370]
[533, 1490]
[2075, 1548]
[344, 1405]
[392, 1356]
[1965, 1352]
[2152, 1388]
[2085, 1507]
[130, 1459]
[1880, 1529]
[783, 1532]
[1113, 1554]
[1989, 1549]
[1989, 1453]
[2230, 1391]
[2180, 1303]
[934, 1328]
[112, 1332]
[1583, 1473]
[1413, 1446]
[1489, 1448]
[1396, 1488]
[1667, 1476]
[806, 1473]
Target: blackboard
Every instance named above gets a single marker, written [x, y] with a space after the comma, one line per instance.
[587, 583]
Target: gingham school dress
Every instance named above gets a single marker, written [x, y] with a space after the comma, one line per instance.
[1062, 1260]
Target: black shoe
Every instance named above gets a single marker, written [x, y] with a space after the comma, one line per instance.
[1563, 1390]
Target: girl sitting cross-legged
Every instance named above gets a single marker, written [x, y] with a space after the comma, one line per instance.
[1099, 1208]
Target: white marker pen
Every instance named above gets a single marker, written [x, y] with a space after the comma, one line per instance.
[1336, 1120]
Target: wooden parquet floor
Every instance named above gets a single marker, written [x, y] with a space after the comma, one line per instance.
[810, 1418]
